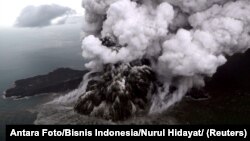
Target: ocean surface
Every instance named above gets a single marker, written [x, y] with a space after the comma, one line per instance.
[29, 52]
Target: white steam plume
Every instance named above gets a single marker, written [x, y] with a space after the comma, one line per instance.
[157, 29]
[185, 40]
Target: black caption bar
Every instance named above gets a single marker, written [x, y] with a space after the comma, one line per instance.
[32, 132]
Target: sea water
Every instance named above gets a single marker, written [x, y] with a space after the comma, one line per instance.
[29, 52]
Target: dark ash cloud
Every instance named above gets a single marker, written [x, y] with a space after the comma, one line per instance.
[39, 16]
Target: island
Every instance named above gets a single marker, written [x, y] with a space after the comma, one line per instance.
[58, 81]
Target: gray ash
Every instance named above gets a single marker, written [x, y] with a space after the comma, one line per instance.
[119, 91]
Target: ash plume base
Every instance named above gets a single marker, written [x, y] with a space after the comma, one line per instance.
[184, 42]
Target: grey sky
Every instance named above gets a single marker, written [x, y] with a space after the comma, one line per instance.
[38, 16]
[11, 9]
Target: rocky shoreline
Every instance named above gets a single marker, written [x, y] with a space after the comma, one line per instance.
[58, 81]
[227, 78]
[227, 85]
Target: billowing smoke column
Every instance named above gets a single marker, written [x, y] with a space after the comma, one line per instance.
[145, 55]
[182, 41]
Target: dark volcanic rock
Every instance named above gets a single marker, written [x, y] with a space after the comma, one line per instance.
[198, 94]
[118, 92]
[233, 76]
[60, 80]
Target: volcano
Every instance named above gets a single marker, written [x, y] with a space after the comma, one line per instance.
[119, 90]
[146, 55]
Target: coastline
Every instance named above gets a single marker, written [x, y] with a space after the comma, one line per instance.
[60, 80]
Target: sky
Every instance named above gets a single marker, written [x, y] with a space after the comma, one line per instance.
[11, 9]
[36, 33]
